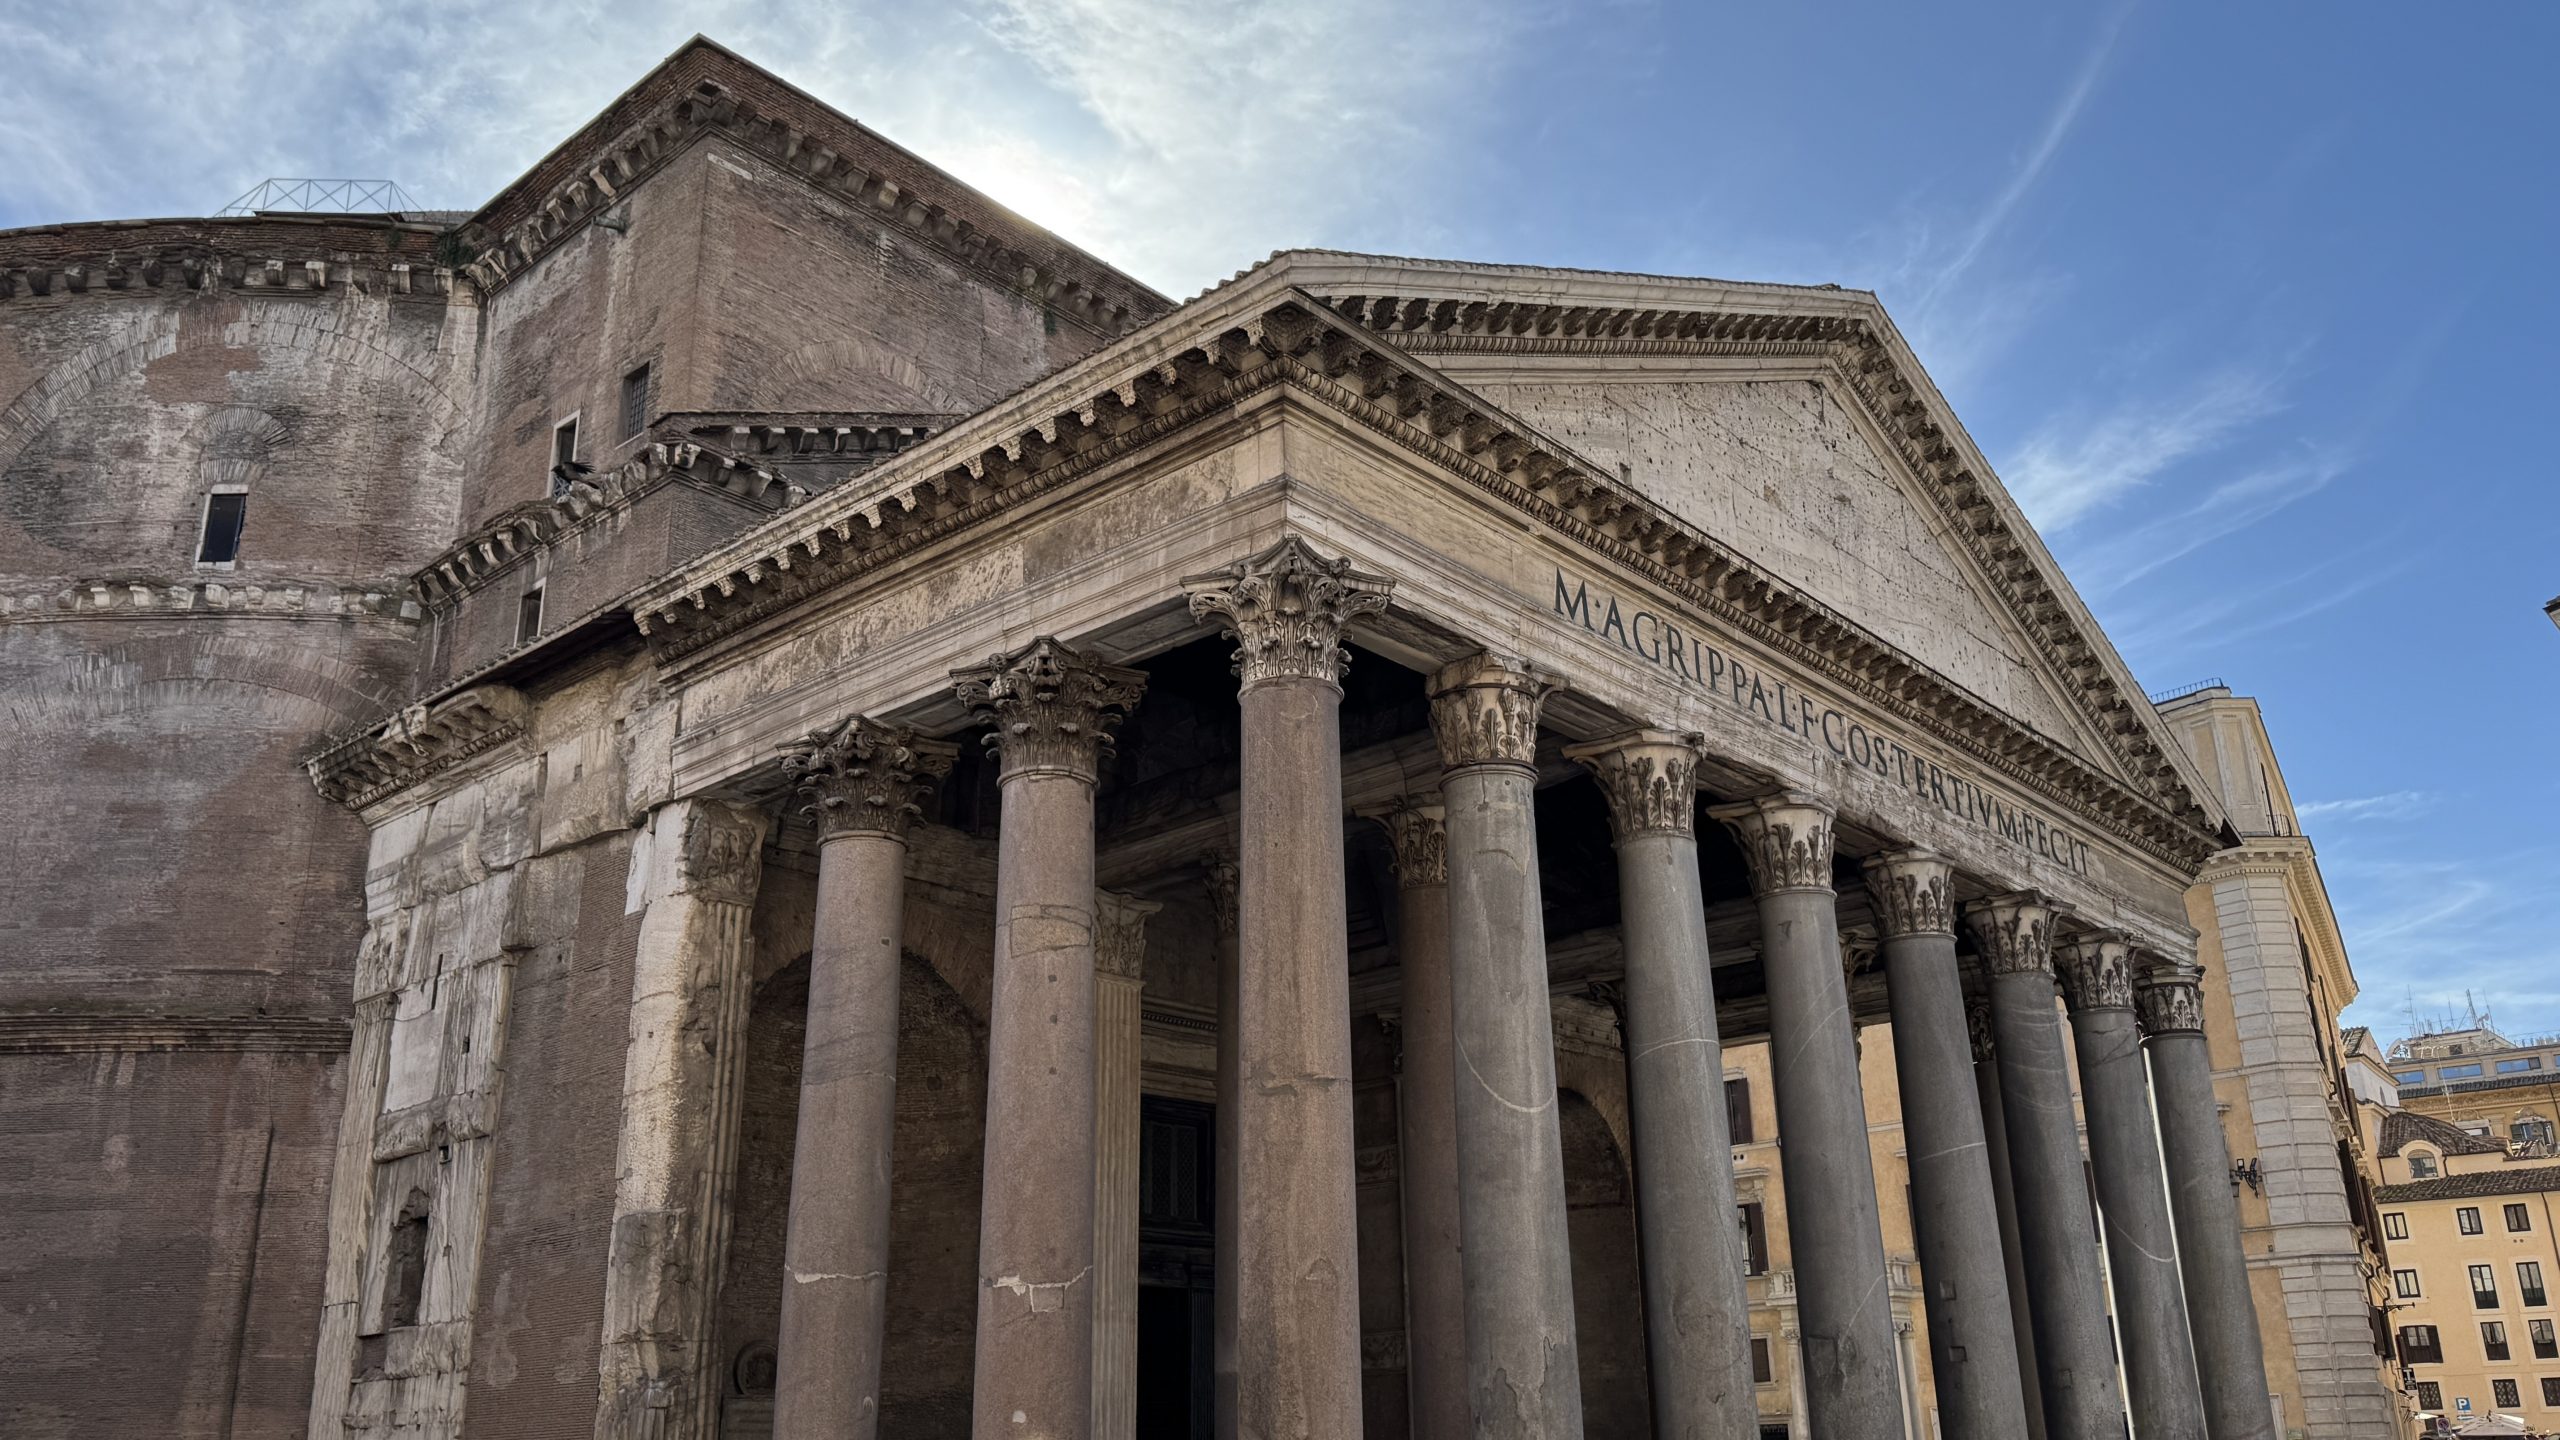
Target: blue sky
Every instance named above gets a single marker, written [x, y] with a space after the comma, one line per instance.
[2251, 306]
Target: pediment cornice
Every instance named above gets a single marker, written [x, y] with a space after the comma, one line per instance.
[1249, 338]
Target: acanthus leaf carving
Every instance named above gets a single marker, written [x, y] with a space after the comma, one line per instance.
[1484, 711]
[2014, 932]
[2096, 971]
[1785, 839]
[2169, 999]
[1286, 610]
[1913, 891]
[1418, 830]
[1650, 779]
[1053, 707]
[862, 777]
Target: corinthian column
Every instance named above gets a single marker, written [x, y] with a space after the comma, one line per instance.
[2229, 1363]
[1426, 1084]
[1844, 1304]
[1697, 1359]
[2096, 970]
[1120, 952]
[1973, 1352]
[1297, 1317]
[1523, 1372]
[861, 782]
[1053, 710]
[675, 1164]
[2075, 1355]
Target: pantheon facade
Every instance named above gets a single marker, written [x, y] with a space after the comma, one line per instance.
[902, 836]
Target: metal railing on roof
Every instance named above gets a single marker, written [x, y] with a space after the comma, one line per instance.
[336, 197]
[2181, 692]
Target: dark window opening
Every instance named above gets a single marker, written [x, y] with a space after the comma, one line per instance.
[2529, 1280]
[2551, 1392]
[1176, 1141]
[564, 456]
[2430, 1395]
[2484, 1287]
[635, 402]
[2419, 1345]
[2395, 1225]
[404, 1282]
[2546, 1346]
[224, 517]
[2503, 1394]
[1761, 1373]
[2467, 1219]
[529, 615]
[2493, 1339]
[1737, 1110]
[1755, 1239]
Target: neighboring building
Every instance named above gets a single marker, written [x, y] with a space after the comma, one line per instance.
[705, 966]
[2472, 1252]
[2370, 1077]
[2276, 979]
[2485, 1085]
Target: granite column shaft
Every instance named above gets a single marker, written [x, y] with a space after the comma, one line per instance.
[1229, 1182]
[1427, 1117]
[2151, 1310]
[1052, 709]
[1843, 1307]
[2075, 1350]
[1694, 1254]
[1973, 1349]
[861, 783]
[1524, 1379]
[2231, 1365]
[2004, 1204]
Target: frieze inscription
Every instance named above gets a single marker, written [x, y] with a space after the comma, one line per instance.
[1683, 652]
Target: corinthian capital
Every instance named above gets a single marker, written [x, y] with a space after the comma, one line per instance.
[1286, 609]
[1484, 711]
[1053, 708]
[1220, 876]
[1786, 840]
[1120, 934]
[2014, 933]
[2169, 999]
[1977, 1027]
[1418, 828]
[2096, 971]
[1914, 893]
[1650, 778]
[863, 777]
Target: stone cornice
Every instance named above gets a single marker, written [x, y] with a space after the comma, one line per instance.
[727, 96]
[1194, 366]
[415, 743]
[141, 598]
[260, 255]
[523, 529]
[69, 1034]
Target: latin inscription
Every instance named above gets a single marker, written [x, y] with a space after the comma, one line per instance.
[1683, 652]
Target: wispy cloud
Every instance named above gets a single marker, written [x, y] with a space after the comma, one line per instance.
[2397, 805]
[2427, 931]
[1182, 142]
[2077, 463]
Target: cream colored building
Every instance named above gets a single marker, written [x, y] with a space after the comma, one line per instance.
[2472, 1257]
[2485, 1085]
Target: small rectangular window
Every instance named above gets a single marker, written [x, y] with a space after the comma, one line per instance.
[2484, 1287]
[2467, 1219]
[2404, 1283]
[564, 455]
[2515, 1067]
[2503, 1394]
[1761, 1372]
[2519, 1220]
[2493, 1339]
[2395, 1225]
[1737, 1110]
[2411, 1077]
[2458, 1072]
[2550, 1391]
[2419, 1345]
[2546, 1345]
[529, 615]
[2430, 1395]
[226, 513]
[1755, 1240]
[2529, 1280]
[635, 402]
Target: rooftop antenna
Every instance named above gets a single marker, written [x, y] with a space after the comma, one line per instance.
[328, 197]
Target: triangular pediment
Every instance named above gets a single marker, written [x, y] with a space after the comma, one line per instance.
[2072, 725]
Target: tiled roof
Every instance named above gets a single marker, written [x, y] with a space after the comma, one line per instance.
[2407, 1127]
[2526, 1180]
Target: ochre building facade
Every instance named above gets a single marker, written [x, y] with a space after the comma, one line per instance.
[742, 796]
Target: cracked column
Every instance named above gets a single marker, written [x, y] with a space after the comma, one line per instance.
[2066, 1296]
[1297, 1261]
[2231, 1368]
[1426, 1085]
[1844, 1306]
[862, 783]
[1973, 1349]
[1523, 1372]
[1697, 1356]
[1052, 709]
[2096, 970]
[2004, 1202]
[1221, 879]
[1120, 954]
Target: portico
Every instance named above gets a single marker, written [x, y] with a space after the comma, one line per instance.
[1259, 715]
